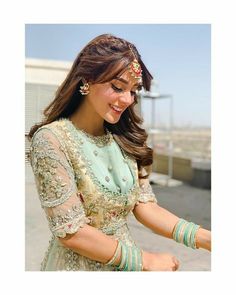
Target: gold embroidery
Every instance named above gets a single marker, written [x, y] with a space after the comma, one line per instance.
[62, 170]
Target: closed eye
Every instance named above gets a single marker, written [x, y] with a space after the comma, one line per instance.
[119, 90]
[116, 88]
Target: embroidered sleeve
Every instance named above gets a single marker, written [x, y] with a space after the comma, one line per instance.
[145, 190]
[56, 185]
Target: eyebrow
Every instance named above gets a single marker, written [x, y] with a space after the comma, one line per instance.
[127, 82]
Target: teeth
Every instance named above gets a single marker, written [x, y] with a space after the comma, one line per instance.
[116, 108]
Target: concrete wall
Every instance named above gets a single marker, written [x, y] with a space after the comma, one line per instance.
[182, 169]
[198, 175]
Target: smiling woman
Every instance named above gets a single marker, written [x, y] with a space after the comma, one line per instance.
[114, 98]
[98, 65]
[91, 166]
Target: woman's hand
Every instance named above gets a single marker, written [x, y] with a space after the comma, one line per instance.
[159, 262]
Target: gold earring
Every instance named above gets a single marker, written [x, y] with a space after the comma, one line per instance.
[84, 89]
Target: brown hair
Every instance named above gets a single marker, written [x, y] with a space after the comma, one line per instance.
[100, 61]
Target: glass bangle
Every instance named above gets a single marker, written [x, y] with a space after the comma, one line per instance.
[118, 249]
[186, 233]
[125, 268]
[179, 225]
[123, 257]
[193, 236]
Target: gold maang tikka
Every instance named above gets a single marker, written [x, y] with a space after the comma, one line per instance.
[135, 68]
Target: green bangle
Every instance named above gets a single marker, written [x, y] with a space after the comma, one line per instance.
[177, 230]
[180, 227]
[123, 256]
[126, 266]
[186, 233]
[118, 249]
[135, 259]
[193, 236]
[131, 258]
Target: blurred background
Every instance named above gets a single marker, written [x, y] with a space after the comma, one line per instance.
[176, 113]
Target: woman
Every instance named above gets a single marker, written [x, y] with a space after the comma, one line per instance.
[91, 165]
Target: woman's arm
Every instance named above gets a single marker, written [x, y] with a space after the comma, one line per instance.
[62, 202]
[162, 222]
[92, 243]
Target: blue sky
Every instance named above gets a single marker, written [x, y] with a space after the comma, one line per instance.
[177, 55]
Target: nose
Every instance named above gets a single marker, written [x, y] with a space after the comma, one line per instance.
[126, 98]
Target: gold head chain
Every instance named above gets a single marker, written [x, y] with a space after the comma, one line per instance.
[135, 68]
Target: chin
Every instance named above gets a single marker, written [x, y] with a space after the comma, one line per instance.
[112, 120]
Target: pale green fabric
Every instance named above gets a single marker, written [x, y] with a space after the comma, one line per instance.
[76, 187]
[108, 156]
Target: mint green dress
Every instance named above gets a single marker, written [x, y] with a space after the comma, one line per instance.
[83, 179]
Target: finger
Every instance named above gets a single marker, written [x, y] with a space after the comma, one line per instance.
[174, 268]
[176, 263]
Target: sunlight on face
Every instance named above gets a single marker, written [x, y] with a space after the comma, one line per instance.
[109, 100]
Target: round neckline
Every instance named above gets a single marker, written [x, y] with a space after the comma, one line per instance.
[101, 187]
[87, 133]
[99, 140]
[91, 135]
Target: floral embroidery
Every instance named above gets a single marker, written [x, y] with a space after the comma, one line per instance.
[45, 163]
[67, 222]
[73, 196]
[146, 193]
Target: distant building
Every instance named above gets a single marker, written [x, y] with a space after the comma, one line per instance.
[41, 82]
[42, 79]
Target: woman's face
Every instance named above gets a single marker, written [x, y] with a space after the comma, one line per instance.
[109, 100]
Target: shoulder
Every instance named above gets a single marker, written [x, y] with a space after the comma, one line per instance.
[51, 131]
[47, 140]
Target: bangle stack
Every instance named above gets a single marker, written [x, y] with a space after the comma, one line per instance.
[131, 258]
[185, 233]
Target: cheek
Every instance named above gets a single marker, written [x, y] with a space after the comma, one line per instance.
[107, 96]
[100, 100]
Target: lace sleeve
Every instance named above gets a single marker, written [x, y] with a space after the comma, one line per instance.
[56, 185]
[145, 190]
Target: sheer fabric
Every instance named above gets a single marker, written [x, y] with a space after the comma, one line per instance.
[83, 180]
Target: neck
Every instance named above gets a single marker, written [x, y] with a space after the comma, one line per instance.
[88, 121]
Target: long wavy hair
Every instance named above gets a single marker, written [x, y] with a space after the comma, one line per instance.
[102, 59]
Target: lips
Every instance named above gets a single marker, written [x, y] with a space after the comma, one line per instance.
[116, 109]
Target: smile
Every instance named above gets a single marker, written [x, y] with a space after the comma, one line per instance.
[116, 109]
